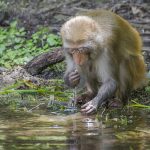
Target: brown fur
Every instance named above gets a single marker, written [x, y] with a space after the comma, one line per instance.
[115, 49]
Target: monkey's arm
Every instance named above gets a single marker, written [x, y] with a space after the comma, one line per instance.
[71, 77]
[105, 92]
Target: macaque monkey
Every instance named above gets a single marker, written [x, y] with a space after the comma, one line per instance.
[103, 51]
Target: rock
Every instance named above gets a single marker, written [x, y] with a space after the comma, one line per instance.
[2, 69]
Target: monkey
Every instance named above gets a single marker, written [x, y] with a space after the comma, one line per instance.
[103, 52]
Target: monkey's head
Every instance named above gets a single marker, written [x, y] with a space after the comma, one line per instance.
[80, 32]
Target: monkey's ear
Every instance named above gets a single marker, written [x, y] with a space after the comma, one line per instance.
[62, 31]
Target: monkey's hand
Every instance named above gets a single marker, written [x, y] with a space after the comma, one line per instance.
[90, 107]
[73, 79]
[106, 91]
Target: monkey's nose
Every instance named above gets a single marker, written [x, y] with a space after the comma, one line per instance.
[80, 59]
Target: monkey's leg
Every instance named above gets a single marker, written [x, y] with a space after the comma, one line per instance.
[90, 93]
[125, 98]
[123, 95]
[114, 103]
[106, 91]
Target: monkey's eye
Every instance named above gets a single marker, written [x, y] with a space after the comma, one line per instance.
[70, 51]
[70, 54]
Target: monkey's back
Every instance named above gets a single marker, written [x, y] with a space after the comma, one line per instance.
[126, 43]
[120, 28]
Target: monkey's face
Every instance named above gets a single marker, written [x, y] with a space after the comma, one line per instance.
[79, 33]
[80, 56]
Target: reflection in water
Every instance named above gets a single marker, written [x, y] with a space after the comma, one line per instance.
[72, 132]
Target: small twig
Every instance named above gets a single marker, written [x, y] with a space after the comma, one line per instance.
[30, 110]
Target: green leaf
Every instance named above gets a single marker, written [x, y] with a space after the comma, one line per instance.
[51, 40]
[46, 46]
[21, 29]
[35, 36]
[147, 89]
[2, 38]
[11, 55]
[17, 46]
[2, 48]
[2, 62]
[7, 65]
[13, 24]
[23, 33]
[44, 36]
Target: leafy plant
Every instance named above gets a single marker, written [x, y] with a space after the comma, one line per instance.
[147, 89]
[17, 47]
[3, 6]
[138, 105]
[25, 91]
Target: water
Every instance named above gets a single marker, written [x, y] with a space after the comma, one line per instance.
[19, 131]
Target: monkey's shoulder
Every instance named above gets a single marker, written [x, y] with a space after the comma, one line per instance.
[106, 18]
[98, 14]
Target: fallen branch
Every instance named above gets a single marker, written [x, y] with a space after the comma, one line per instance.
[42, 61]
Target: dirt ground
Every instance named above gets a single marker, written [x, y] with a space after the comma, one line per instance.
[33, 13]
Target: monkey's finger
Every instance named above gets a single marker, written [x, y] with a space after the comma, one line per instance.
[75, 77]
[74, 80]
[84, 110]
[74, 73]
[85, 105]
[76, 70]
[91, 110]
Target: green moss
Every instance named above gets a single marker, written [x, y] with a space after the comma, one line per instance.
[17, 47]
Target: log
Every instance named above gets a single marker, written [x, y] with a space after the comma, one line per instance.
[42, 61]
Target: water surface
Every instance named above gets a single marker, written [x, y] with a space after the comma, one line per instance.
[46, 131]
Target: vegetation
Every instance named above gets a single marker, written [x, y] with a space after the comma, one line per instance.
[138, 105]
[18, 47]
[3, 6]
[14, 94]
[52, 98]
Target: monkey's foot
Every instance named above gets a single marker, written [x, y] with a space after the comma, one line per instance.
[84, 98]
[114, 103]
